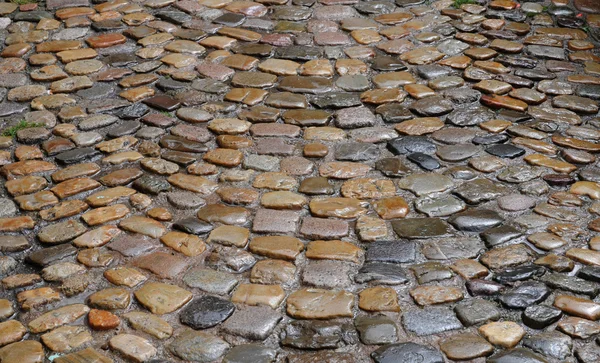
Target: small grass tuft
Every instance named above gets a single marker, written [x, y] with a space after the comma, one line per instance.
[168, 114]
[457, 3]
[23, 2]
[586, 28]
[12, 131]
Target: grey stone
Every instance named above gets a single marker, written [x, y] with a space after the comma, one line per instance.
[431, 320]
[376, 329]
[211, 281]
[327, 274]
[476, 311]
[407, 352]
[252, 322]
[7, 207]
[198, 346]
[250, 353]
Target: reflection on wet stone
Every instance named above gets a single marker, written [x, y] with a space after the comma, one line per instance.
[299, 181]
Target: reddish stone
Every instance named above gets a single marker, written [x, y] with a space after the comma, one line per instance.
[278, 40]
[16, 224]
[106, 40]
[103, 320]
[112, 74]
[28, 7]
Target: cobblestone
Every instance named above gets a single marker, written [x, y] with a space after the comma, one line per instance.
[240, 181]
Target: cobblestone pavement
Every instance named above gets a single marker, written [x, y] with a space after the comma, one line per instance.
[300, 181]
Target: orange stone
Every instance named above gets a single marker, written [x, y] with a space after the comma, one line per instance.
[103, 320]
[106, 40]
[507, 102]
[16, 224]
[391, 208]
[67, 13]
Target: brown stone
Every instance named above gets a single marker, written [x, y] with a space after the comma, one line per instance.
[506, 334]
[106, 40]
[283, 247]
[11, 331]
[26, 185]
[27, 351]
[105, 214]
[333, 250]
[503, 257]
[192, 183]
[143, 225]
[580, 307]
[16, 224]
[162, 298]
[391, 207]
[187, 244]
[337, 207]
[57, 317]
[270, 271]
[107, 196]
[378, 298]
[125, 276]
[431, 295]
[585, 256]
[256, 294]
[319, 304]
[150, 324]
[74, 186]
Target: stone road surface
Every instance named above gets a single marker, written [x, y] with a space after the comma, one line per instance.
[300, 181]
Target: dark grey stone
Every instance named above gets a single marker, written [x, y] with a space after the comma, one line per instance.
[151, 184]
[475, 220]
[476, 311]
[411, 144]
[571, 283]
[391, 251]
[498, 235]
[470, 116]
[505, 151]
[517, 355]
[193, 225]
[77, 155]
[407, 352]
[551, 344]
[206, 312]
[318, 335]
[381, 273]
[524, 295]
[519, 273]
[416, 228]
[124, 128]
[46, 256]
[356, 151]
[424, 161]
[432, 106]
[250, 353]
[540, 316]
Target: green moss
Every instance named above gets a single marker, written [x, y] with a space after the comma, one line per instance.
[12, 131]
[23, 2]
[457, 3]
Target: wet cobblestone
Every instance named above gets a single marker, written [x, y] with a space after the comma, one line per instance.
[299, 181]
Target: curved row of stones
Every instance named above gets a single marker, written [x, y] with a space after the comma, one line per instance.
[300, 181]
